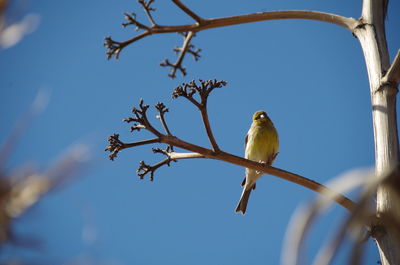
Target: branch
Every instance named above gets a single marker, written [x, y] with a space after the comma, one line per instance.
[140, 117]
[203, 24]
[131, 18]
[393, 74]
[162, 109]
[188, 11]
[115, 47]
[148, 9]
[116, 145]
[201, 152]
[280, 173]
[171, 156]
[186, 47]
[204, 91]
[188, 91]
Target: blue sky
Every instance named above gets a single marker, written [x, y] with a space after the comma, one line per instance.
[309, 76]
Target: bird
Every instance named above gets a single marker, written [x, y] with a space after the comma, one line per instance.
[261, 145]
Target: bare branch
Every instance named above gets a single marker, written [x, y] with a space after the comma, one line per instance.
[162, 109]
[182, 91]
[195, 53]
[188, 11]
[201, 152]
[116, 145]
[115, 47]
[145, 169]
[140, 117]
[131, 18]
[393, 74]
[148, 9]
[204, 90]
[185, 48]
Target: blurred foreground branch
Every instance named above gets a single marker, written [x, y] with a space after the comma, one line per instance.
[360, 224]
[23, 188]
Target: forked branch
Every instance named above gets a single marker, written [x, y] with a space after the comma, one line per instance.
[204, 90]
[115, 47]
[188, 91]
[148, 9]
[187, 47]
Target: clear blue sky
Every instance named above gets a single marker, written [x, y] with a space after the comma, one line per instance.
[309, 76]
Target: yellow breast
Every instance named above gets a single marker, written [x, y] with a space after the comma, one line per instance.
[262, 143]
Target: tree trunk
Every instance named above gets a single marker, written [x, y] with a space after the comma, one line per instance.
[383, 99]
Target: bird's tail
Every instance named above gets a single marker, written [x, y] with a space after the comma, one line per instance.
[242, 205]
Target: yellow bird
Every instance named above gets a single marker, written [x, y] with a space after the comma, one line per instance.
[261, 144]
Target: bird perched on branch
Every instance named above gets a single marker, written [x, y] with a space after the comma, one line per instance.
[261, 143]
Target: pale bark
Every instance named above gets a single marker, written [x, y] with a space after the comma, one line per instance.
[371, 34]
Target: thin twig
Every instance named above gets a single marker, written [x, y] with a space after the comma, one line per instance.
[115, 47]
[204, 90]
[147, 8]
[145, 169]
[140, 116]
[178, 64]
[131, 18]
[116, 145]
[162, 110]
[393, 74]
[188, 11]
[207, 126]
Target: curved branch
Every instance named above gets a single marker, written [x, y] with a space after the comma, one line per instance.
[114, 47]
[207, 126]
[201, 152]
[345, 22]
[292, 177]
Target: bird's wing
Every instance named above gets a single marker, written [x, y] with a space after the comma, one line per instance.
[245, 141]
